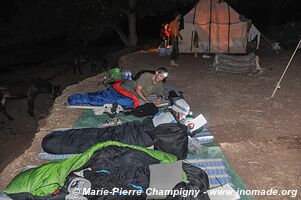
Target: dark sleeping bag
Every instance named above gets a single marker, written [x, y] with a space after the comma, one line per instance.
[73, 141]
[106, 166]
[148, 109]
[124, 167]
[198, 180]
[170, 138]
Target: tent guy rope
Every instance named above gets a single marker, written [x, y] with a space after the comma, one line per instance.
[288, 64]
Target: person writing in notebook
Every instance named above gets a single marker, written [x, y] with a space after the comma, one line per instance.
[177, 114]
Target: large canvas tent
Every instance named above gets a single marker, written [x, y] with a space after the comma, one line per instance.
[215, 27]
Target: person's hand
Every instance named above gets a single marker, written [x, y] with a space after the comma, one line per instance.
[157, 101]
[147, 101]
[190, 125]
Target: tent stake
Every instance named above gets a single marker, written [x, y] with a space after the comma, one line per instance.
[288, 64]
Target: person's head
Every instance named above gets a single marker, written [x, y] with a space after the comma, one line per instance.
[166, 26]
[161, 74]
[181, 109]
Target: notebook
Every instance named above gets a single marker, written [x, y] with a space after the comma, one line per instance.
[198, 122]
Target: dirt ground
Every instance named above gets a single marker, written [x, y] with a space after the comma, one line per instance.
[260, 137]
[57, 69]
[20, 132]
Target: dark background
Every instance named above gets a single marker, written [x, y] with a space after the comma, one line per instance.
[56, 26]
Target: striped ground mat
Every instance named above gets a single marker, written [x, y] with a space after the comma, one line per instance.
[215, 169]
[4, 196]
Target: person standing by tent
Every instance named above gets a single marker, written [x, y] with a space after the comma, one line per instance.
[174, 29]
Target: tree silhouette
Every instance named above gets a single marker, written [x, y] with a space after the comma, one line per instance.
[77, 19]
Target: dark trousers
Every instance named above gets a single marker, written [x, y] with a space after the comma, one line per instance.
[175, 47]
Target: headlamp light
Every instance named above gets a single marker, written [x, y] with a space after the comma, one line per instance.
[165, 74]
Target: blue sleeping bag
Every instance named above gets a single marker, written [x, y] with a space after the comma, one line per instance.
[100, 98]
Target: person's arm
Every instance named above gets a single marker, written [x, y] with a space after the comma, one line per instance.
[140, 84]
[178, 30]
[159, 93]
[138, 90]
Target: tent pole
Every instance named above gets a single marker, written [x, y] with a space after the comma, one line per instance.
[210, 24]
[288, 64]
[192, 39]
[229, 24]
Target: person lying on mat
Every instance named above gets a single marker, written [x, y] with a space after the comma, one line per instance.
[177, 114]
[146, 84]
[126, 93]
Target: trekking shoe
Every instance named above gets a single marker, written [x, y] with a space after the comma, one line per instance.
[173, 63]
[114, 122]
[206, 56]
[76, 188]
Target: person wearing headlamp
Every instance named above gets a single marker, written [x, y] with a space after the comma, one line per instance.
[149, 83]
[145, 84]
[127, 93]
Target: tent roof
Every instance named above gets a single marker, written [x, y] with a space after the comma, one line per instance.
[219, 14]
